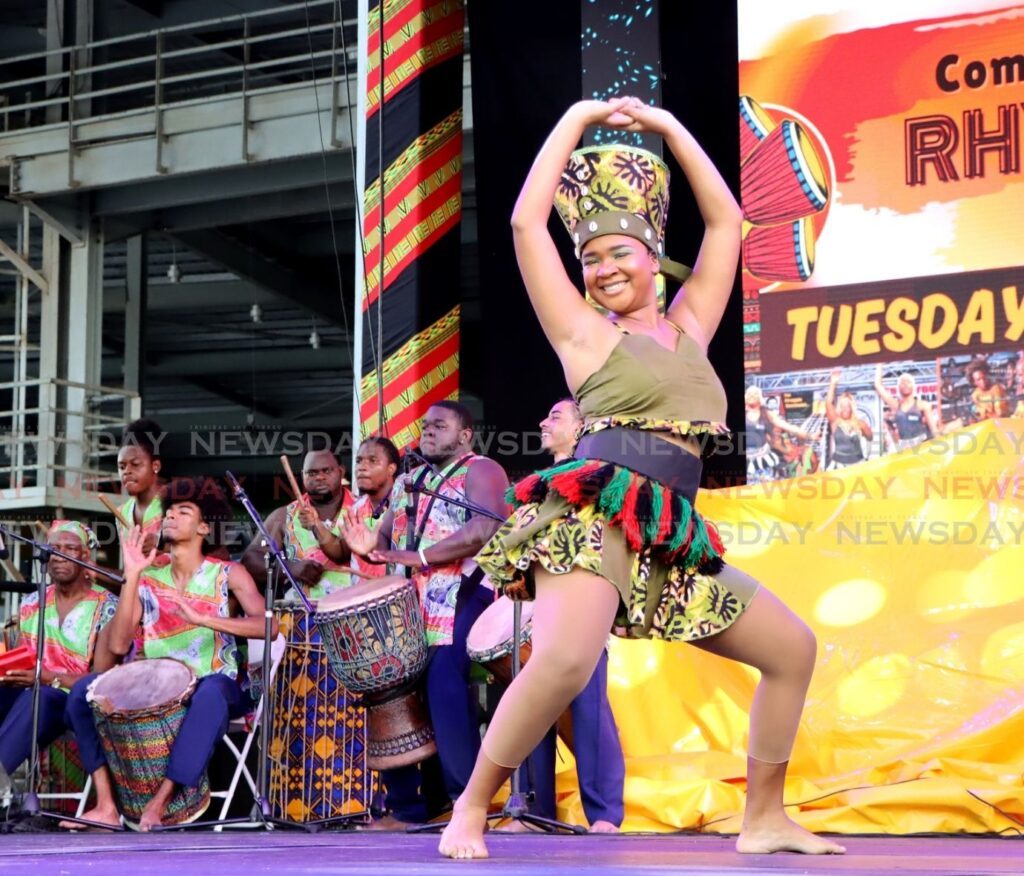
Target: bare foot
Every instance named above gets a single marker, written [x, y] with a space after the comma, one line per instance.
[464, 835]
[152, 816]
[100, 814]
[783, 835]
[603, 827]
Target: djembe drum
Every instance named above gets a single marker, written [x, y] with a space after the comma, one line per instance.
[373, 635]
[318, 731]
[490, 643]
[138, 708]
[755, 125]
[784, 178]
[780, 252]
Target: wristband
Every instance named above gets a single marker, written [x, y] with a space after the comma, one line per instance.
[423, 556]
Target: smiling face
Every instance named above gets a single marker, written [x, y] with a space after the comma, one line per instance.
[906, 386]
[558, 429]
[619, 272]
[138, 470]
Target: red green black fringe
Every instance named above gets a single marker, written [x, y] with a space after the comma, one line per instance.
[650, 515]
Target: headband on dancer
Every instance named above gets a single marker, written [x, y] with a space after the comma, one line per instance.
[617, 189]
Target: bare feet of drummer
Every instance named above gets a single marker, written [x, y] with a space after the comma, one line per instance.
[153, 814]
[101, 813]
[464, 835]
[780, 834]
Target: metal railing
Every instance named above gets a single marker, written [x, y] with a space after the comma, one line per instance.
[79, 452]
[274, 49]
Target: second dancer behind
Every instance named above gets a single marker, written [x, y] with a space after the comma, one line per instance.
[445, 538]
[613, 532]
[600, 767]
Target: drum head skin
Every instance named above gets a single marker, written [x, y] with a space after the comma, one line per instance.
[141, 684]
[491, 635]
[365, 591]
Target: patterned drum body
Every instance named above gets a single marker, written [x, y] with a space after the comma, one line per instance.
[490, 643]
[373, 635]
[318, 732]
[138, 708]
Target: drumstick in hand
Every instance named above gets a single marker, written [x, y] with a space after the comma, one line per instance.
[291, 478]
[113, 509]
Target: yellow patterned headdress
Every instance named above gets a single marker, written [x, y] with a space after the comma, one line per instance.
[80, 530]
[616, 189]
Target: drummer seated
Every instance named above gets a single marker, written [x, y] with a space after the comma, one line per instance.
[75, 615]
[186, 610]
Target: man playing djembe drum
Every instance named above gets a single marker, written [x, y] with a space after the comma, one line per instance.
[452, 597]
[185, 610]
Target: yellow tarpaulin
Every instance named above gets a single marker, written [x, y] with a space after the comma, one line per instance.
[908, 568]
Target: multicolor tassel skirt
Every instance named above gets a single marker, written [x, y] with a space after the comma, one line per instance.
[623, 509]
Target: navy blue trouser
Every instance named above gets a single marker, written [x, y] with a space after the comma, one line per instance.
[217, 699]
[453, 713]
[600, 766]
[16, 718]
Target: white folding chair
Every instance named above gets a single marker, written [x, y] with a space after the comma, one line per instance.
[250, 726]
[81, 796]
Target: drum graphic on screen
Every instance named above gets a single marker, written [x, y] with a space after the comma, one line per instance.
[755, 125]
[784, 178]
[780, 252]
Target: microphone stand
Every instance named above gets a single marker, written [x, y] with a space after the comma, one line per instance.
[261, 815]
[516, 806]
[41, 553]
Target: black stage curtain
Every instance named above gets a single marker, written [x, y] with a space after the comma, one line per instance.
[526, 70]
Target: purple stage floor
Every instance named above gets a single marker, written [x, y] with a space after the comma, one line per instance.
[383, 854]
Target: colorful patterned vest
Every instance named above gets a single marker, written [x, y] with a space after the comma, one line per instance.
[69, 646]
[301, 544]
[151, 520]
[362, 510]
[438, 585]
[166, 634]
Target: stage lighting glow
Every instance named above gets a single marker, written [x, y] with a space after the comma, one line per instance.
[995, 580]
[1003, 655]
[939, 598]
[850, 602]
[874, 686]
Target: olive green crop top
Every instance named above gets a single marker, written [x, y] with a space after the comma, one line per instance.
[647, 386]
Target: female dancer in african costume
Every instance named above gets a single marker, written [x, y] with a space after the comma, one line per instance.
[612, 532]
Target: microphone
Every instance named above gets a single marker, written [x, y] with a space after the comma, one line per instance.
[379, 510]
[413, 452]
[235, 486]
